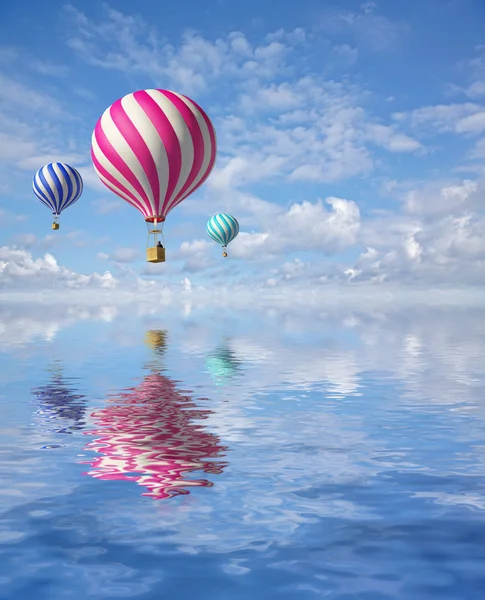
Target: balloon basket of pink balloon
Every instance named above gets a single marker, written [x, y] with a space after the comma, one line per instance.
[156, 254]
[155, 243]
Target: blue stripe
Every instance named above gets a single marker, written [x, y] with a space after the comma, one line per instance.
[40, 194]
[58, 187]
[65, 199]
[50, 194]
[79, 182]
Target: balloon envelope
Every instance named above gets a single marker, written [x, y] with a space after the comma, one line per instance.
[222, 228]
[57, 185]
[153, 148]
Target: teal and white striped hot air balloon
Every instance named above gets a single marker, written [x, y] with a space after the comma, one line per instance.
[223, 229]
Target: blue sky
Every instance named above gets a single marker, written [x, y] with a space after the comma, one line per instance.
[351, 142]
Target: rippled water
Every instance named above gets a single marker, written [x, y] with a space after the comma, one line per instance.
[225, 455]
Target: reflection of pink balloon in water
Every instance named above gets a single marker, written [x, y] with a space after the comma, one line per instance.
[149, 436]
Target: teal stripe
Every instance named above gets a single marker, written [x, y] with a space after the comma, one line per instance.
[218, 224]
[227, 230]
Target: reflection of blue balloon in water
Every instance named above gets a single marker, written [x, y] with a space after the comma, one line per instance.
[223, 365]
[223, 229]
[59, 406]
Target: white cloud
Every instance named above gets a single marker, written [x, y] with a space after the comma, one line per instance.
[478, 151]
[439, 271]
[347, 53]
[30, 240]
[391, 140]
[435, 237]
[73, 238]
[476, 89]
[370, 30]
[471, 124]
[317, 130]
[441, 199]
[19, 58]
[91, 179]
[14, 93]
[122, 255]
[48, 68]
[466, 118]
[275, 128]
[292, 269]
[309, 225]
[106, 206]
[20, 270]
[197, 255]
[35, 128]
[131, 45]
[7, 217]
[475, 72]
[449, 251]
[304, 226]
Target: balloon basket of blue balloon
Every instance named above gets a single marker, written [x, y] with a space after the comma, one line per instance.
[156, 254]
[55, 225]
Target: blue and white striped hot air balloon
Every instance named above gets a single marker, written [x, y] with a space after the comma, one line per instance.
[57, 185]
[223, 229]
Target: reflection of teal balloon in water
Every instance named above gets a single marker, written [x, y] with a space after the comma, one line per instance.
[223, 365]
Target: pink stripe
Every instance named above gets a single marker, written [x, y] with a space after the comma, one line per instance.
[139, 147]
[117, 161]
[169, 140]
[116, 185]
[197, 141]
[212, 135]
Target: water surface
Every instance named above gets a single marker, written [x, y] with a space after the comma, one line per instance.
[230, 454]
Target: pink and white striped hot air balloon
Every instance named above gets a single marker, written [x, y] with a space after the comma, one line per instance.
[154, 148]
